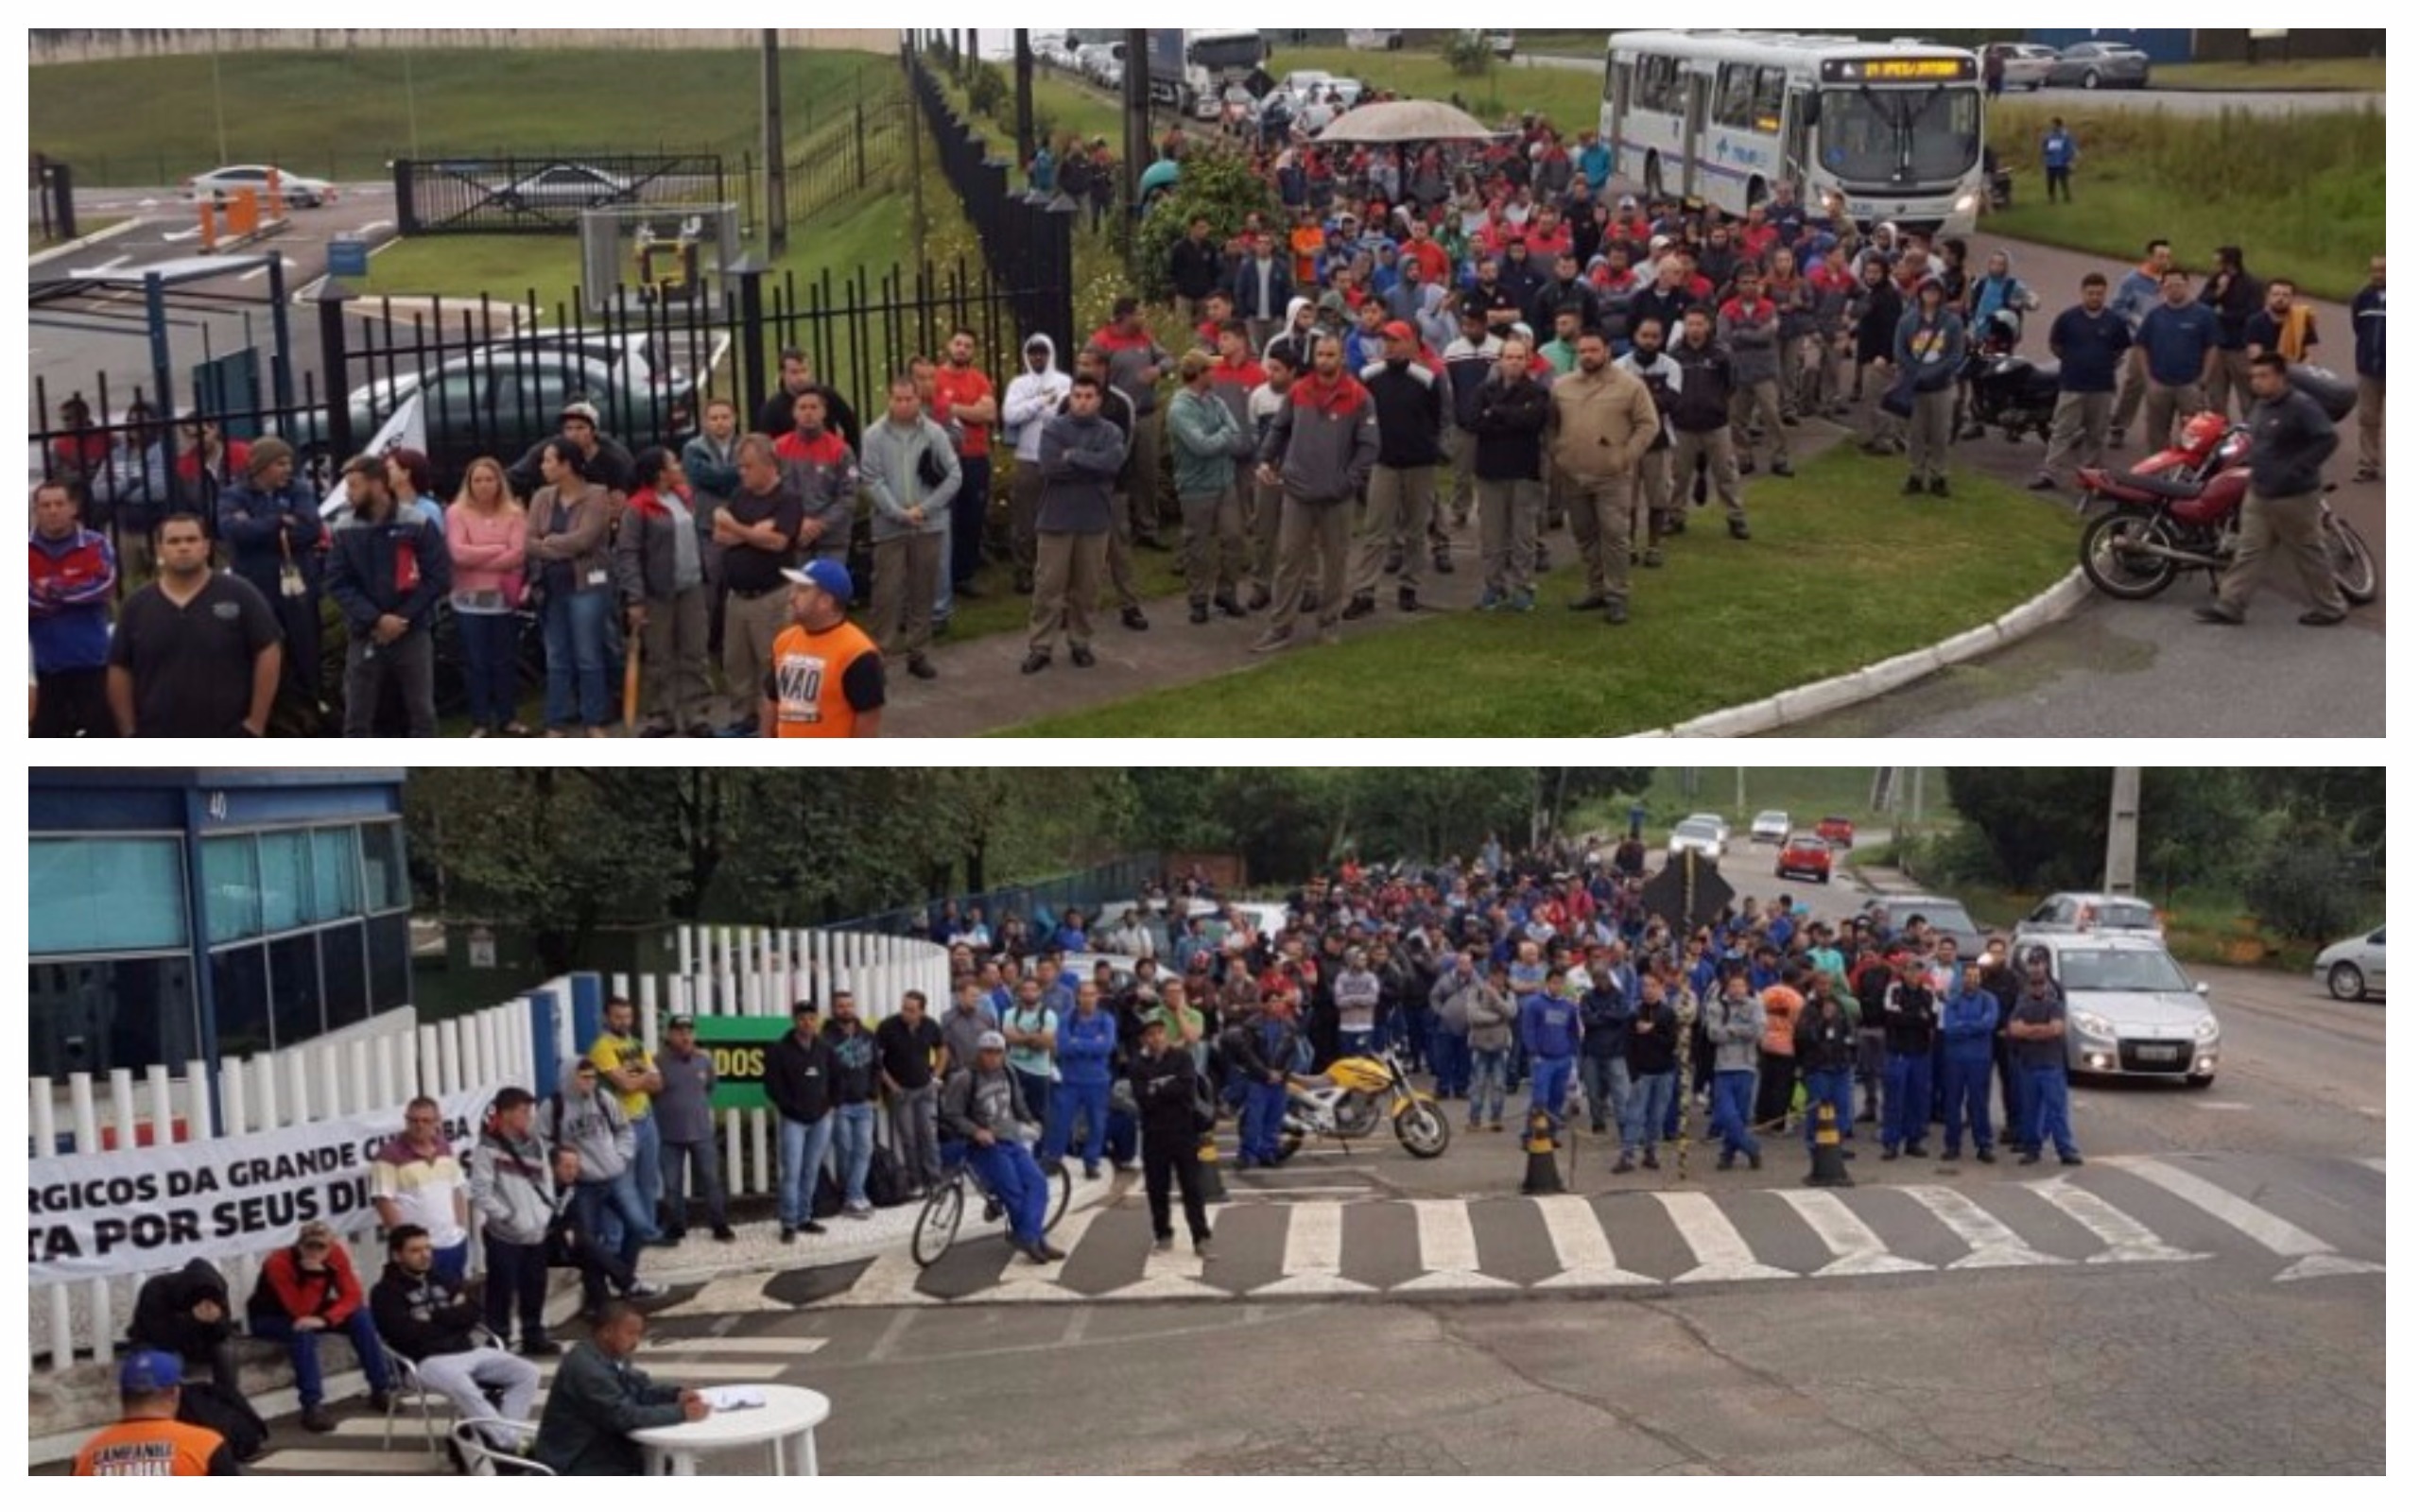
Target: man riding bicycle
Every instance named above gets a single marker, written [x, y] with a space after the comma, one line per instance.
[983, 1105]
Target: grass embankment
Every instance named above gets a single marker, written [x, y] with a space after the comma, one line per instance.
[1862, 575]
[1570, 97]
[2304, 194]
[344, 115]
[1806, 794]
[2358, 73]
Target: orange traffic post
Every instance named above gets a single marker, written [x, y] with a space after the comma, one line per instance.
[209, 225]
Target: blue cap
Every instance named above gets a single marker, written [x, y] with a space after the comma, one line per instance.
[148, 1372]
[828, 575]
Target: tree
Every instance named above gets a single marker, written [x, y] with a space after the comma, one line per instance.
[1219, 185]
[1469, 54]
[2300, 887]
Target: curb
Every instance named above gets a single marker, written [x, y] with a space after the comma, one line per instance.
[70, 249]
[1851, 689]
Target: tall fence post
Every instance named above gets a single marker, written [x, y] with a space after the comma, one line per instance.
[334, 296]
[406, 204]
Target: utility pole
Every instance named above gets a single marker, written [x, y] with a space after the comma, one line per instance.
[1025, 98]
[1138, 117]
[1740, 792]
[777, 196]
[2125, 829]
[218, 98]
[1915, 797]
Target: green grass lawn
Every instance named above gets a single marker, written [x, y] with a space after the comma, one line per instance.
[2365, 74]
[1843, 573]
[2318, 180]
[1568, 97]
[343, 115]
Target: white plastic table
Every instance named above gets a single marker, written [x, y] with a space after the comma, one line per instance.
[788, 1418]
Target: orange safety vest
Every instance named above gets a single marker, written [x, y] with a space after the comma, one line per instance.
[148, 1445]
[808, 702]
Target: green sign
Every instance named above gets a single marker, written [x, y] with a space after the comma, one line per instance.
[738, 1047]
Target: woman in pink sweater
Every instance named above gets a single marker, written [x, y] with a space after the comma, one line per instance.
[487, 532]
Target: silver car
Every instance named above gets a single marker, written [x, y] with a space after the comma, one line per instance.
[2101, 65]
[1771, 827]
[2093, 912]
[1698, 835]
[2353, 969]
[2132, 1011]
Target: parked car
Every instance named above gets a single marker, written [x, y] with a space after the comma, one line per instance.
[298, 192]
[2356, 967]
[2092, 912]
[2023, 65]
[1504, 44]
[1836, 833]
[1694, 835]
[1374, 41]
[2132, 1011]
[1805, 855]
[2100, 66]
[1771, 827]
[566, 186]
[1945, 915]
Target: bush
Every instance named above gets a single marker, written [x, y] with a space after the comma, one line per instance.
[988, 94]
[2299, 886]
[1469, 53]
[1218, 184]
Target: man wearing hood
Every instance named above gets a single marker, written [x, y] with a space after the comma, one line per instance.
[271, 526]
[1299, 335]
[1081, 456]
[1929, 350]
[1320, 450]
[428, 1321]
[1034, 396]
[588, 1120]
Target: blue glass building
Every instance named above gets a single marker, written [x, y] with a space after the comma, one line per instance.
[193, 913]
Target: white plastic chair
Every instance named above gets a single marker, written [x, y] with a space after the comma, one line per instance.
[481, 1457]
[410, 1386]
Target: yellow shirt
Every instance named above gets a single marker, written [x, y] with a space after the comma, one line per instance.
[612, 1053]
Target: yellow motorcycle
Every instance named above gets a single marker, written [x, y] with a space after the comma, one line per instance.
[1347, 1103]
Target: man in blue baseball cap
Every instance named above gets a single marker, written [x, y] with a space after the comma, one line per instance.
[827, 678]
[147, 1439]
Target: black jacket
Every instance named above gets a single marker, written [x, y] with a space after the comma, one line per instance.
[164, 1312]
[594, 1404]
[610, 468]
[1911, 1016]
[778, 418]
[1194, 268]
[1510, 420]
[1410, 402]
[1654, 1039]
[798, 1077]
[1827, 1044]
[1163, 1093]
[422, 1316]
[365, 573]
[1666, 306]
[1705, 404]
[2291, 441]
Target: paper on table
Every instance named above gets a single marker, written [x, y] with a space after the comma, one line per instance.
[733, 1399]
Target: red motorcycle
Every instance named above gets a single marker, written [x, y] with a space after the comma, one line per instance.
[2181, 511]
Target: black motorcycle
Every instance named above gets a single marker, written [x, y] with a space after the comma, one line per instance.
[2007, 391]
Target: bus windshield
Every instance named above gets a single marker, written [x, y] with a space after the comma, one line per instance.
[1902, 136]
[1223, 55]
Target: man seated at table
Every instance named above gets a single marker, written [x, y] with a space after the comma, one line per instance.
[306, 1292]
[428, 1321]
[599, 1399]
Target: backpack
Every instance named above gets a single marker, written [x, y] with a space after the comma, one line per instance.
[884, 1187]
[1205, 1105]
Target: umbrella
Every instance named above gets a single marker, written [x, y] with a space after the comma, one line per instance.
[1403, 122]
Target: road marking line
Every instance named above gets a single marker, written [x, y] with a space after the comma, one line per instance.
[2223, 1107]
[1580, 1248]
[2128, 1240]
[1721, 1253]
[1169, 1275]
[1041, 1283]
[1857, 1249]
[1314, 1259]
[883, 1346]
[1448, 1250]
[345, 1462]
[1992, 1242]
[727, 1294]
[2311, 1255]
[182, 235]
[759, 1346]
[2378, 1165]
[375, 224]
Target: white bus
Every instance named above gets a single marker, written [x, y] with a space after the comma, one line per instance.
[1884, 130]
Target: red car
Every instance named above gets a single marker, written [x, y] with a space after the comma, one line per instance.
[1839, 834]
[1805, 856]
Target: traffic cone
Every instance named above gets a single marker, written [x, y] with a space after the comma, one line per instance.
[1829, 1169]
[1541, 1180]
[1213, 1187]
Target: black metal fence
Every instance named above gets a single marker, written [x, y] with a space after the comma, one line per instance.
[545, 196]
[1028, 240]
[862, 152]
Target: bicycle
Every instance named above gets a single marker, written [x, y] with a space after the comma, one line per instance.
[945, 1206]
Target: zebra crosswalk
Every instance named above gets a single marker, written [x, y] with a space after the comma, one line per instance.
[2326, 1219]
[360, 1444]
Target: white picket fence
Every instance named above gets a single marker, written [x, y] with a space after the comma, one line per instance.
[725, 972]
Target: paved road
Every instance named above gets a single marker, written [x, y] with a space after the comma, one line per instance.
[2183, 102]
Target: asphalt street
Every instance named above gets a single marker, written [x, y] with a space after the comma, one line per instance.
[2204, 1295]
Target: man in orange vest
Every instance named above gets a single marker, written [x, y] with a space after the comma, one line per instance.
[826, 681]
[147, 1439]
